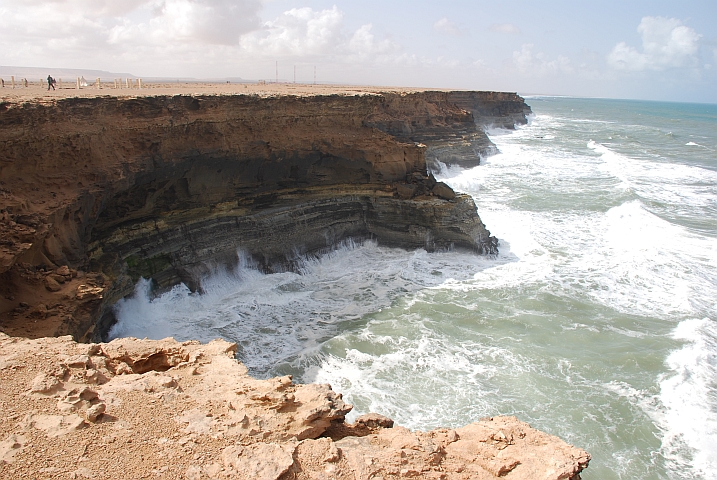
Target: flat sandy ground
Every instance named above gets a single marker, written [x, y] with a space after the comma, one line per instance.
[38, 92]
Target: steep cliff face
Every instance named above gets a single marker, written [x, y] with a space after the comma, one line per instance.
[493, 109]
[451, 124]
[163, 186]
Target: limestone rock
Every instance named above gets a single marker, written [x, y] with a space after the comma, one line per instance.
[443, 191]
[44, 383]
[374, 420]
[406, 191]
[51, 284]
[196, 414]
[84, 291]
[63, 270]
[54, 425]
[11, 446]
[263, 461]
[94, 412]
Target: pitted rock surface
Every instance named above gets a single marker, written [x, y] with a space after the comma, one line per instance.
[74, 410]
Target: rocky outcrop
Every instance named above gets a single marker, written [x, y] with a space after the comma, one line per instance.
[162, 187]
[452, 125]
[164, 409]
[489, 110]
[493, 109]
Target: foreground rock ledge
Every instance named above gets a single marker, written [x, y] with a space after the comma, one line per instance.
[164, 409]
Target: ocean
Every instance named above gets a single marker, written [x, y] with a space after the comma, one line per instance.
[597, 322]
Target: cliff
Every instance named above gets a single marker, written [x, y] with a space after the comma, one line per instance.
[96, 192]
[112, 189]
[452, 137]
[162, 409]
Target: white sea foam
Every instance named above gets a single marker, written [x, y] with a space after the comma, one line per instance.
[494, 131]
[636, 261]
[640, 263]
[640, 270]
[693, 144]
[411, 365]
[690, 416]
[614, 163]
[276, 317]
[585, 120]
[661, 181]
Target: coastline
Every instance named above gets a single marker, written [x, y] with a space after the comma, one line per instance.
[78, 247]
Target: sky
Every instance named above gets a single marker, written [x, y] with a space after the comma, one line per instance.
[653, 50]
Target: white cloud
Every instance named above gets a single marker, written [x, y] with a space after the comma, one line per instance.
[298, 32]
[666, 43]
[507, 28]
[480, 63]
[363, 43]
[184, 33]
[306, 33]
[447, 27]
[204, 39]
[105, 25]
[219, 22]
[538, 64]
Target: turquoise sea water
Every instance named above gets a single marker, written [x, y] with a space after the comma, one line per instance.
[597, 322]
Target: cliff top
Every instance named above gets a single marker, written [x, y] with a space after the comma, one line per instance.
[36, 91]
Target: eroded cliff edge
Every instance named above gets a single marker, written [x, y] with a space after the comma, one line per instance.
[97, 192]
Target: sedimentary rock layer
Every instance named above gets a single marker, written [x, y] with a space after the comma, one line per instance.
[162, 187]
[163, 409]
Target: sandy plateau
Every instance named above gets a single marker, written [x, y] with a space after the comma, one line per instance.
[37, 92]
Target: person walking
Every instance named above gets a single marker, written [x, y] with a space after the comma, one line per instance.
[50, 83]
